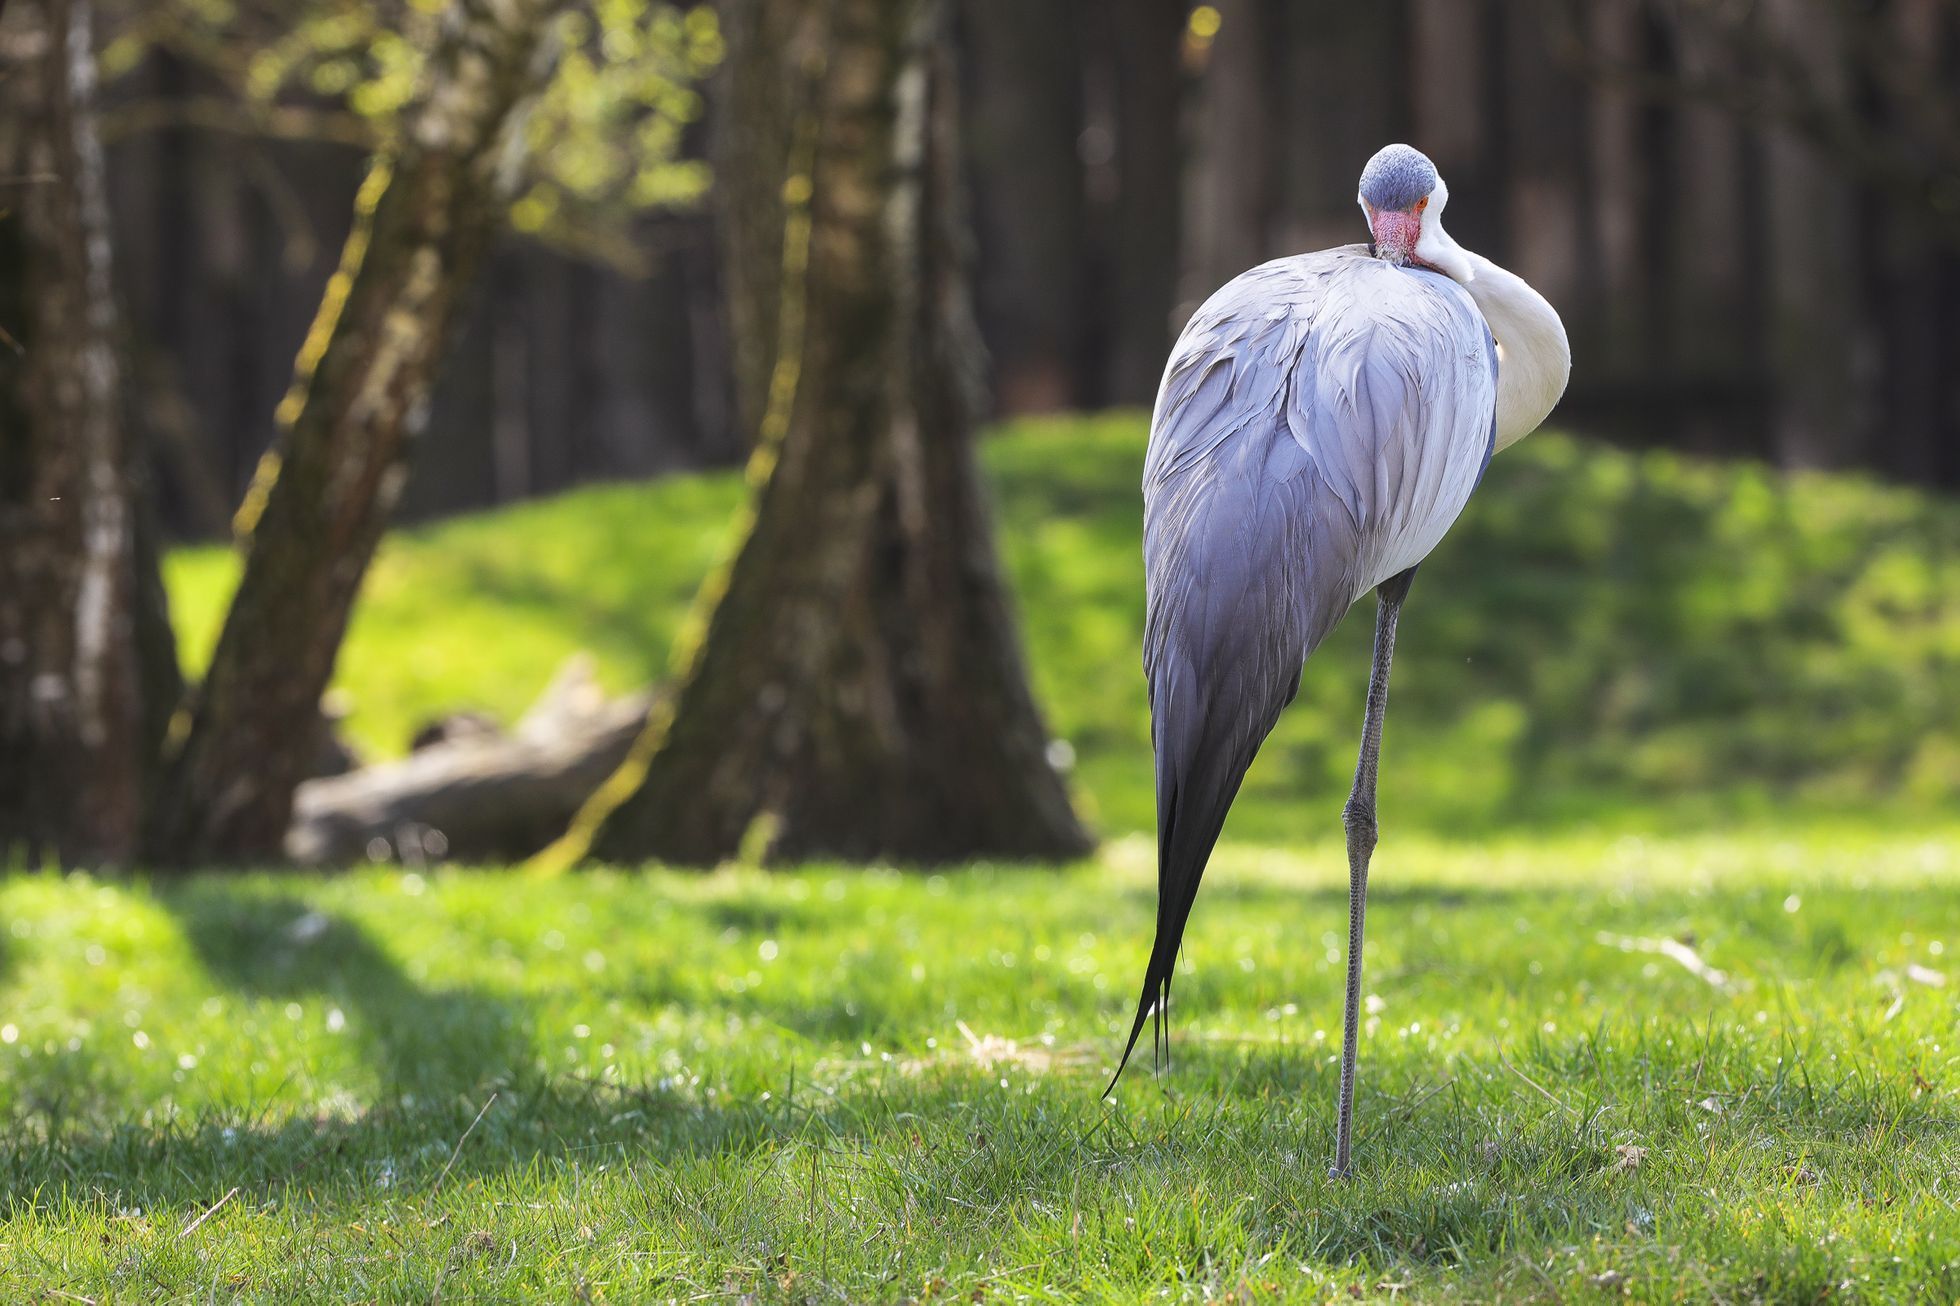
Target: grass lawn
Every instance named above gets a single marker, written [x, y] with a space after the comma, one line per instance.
[1661, 998]
[834, 1085]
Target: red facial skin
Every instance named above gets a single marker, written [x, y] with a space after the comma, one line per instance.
[1396, 233]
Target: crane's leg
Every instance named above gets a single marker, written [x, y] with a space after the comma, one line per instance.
[1359, 818]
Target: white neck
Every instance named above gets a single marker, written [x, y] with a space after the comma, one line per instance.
[1534, 358]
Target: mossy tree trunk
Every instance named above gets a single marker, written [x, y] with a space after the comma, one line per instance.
[858, 691]
[428, 210]
[759, 90]
[87, 666]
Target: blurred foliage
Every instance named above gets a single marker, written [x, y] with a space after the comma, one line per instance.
[606, 134]
[1605, 639]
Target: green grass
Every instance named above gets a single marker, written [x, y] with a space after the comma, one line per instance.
[1605, 640]
[1641, 703]
[833, 1085]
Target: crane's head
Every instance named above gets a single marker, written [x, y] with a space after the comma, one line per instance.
[1403, 197]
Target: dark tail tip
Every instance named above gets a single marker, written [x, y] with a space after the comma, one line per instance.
[1151, 1000]
[1198, 774]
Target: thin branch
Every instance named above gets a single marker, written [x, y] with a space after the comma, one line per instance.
[490, 1102]
[216, 1206]
[1543, 1092]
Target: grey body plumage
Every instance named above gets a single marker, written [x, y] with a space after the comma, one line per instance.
[1321, 423]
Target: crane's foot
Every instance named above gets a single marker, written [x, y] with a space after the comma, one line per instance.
[1335, 1172]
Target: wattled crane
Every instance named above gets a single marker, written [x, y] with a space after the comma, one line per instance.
[1321, 423]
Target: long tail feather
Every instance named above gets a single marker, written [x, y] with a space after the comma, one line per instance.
[1203, 750]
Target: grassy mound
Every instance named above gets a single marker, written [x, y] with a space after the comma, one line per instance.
[1605, 638]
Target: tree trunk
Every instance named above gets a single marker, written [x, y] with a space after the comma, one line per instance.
[1231, 188]
[1344, 68]
[752, 138]
[1137, 219]
[86, 662]
[360, 394]
[1820, 351]
[858, 692]
[1027, 137]
[1908, 271]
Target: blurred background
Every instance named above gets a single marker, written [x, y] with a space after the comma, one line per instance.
[1748, 214]
[1726, 580]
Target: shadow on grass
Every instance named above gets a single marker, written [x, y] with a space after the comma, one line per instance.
[420, 1042]
[1449, 1170]
[1441, 1181]
[1446, 1177]
[431, 1043]
[749, 915]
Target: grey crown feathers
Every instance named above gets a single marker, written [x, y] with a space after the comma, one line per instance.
[1397, 177]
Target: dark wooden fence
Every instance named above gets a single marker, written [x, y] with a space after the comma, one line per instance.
[1749, 215]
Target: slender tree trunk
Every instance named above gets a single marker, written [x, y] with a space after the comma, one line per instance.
[1344, 68]
[858, 692]
[86, 661]
[1231, 187]
[752, 139]
[321, 500]
[1138, 219]
[1026, 133]
[1908, 270]
[1819, 347]
[1546, 125]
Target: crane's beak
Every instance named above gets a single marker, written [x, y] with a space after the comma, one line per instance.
[1396, 233]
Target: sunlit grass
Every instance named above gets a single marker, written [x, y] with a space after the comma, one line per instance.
[1661, 981]
[844, 1085]
[1605, 640]
[479, 612]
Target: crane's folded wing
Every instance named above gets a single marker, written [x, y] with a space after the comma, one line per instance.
[1321, 423]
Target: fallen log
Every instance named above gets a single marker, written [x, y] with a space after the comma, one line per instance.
[479, 798]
